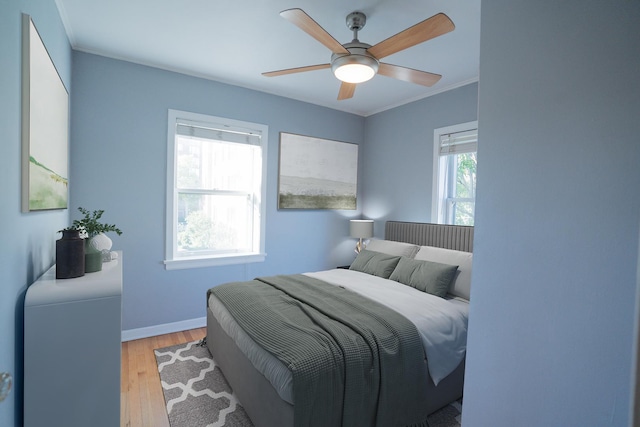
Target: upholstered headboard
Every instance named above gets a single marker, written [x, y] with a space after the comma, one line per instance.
[457, 237]
[454, 240]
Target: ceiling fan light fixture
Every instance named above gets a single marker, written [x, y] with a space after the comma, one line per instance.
[354, 68]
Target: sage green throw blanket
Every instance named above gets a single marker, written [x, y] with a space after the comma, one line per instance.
[354, 362]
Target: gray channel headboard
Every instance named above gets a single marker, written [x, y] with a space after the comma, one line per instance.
[457, 237]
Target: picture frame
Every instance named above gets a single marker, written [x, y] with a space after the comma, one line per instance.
[45, 126]
[317, 173]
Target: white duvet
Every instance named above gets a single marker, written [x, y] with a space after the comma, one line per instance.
[442, 323]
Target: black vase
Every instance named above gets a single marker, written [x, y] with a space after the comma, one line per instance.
[69, 255]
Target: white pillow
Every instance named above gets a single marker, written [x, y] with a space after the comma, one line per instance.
[391, 247]
[461, 285]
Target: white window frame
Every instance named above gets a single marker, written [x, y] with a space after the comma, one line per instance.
[172, 261]
[437, 214]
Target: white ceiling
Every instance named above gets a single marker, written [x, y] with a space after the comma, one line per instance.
[234, 41]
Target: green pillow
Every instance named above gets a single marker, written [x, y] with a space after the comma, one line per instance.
[375, 263]
[426, 276]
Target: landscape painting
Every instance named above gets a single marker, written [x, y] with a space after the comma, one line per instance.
[317, 173]
[45, 127]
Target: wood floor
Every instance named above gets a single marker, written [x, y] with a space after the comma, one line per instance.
[141, 399]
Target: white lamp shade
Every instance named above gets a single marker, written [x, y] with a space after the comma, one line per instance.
[361, 228]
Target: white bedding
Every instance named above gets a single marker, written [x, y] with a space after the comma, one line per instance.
[442, 324]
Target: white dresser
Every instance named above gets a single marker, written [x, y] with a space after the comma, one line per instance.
[72, 349]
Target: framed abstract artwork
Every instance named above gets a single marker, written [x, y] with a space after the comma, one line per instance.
[45, 126]
[317, 173]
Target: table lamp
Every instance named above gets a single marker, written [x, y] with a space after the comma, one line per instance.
[361, 229]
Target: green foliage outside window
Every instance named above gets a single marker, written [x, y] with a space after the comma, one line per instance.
[199, 232]
[467, 165]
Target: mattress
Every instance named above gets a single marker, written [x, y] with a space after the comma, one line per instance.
[441, 323]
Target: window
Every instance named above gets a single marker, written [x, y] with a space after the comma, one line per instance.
[454, 181]
[215, 191]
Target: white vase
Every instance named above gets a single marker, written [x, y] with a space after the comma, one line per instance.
[100, 242]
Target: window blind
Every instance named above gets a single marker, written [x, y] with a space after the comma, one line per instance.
[459, 142]
[196, 130]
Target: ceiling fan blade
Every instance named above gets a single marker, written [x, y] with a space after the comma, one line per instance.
[299, 18]
[428, 29]
[296, 70]
[408, 74]
[346, 91]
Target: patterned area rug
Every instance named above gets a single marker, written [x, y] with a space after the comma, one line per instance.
[198, 395]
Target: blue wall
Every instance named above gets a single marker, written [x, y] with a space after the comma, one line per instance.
[398, 159]
[556, 249]
[28, 240]
[557, 215]
[118, 163]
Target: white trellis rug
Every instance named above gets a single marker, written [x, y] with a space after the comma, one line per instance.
[195, 391]
[198, 395]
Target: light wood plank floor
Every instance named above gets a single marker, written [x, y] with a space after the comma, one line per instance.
[141, 399]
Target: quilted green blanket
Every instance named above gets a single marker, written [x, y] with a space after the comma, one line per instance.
[354, 362]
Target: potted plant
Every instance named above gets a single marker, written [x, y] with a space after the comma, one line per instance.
[90, 229]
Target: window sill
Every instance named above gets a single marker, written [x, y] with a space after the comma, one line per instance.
[199, 262]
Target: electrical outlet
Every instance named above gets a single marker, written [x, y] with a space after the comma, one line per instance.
[5, 385]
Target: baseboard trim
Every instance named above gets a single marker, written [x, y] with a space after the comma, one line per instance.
[166, 328]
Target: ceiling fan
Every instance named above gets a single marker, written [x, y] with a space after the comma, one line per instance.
[357, 62]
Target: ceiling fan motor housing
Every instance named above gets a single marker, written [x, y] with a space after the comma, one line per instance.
[357, 55]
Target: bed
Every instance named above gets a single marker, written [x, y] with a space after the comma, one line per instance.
[264, 384]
